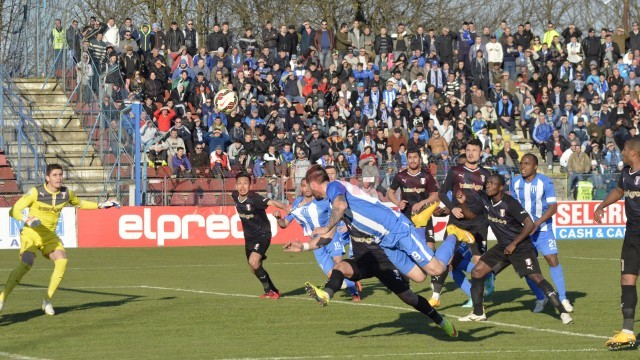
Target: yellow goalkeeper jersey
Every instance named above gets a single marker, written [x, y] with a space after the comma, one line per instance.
[46, 206]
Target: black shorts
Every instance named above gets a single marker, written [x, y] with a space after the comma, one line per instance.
[524, 260]
[368, 266]
[258, 245]
[427, 232]
[630, 256]
[479, 233]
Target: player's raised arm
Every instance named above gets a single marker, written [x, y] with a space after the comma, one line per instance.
[82, 204]
[339, 206]
[282, 222]
[278, 204]
[313, 244]
[615, 195]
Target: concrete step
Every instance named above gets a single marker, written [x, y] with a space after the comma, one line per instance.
[52, 124]
[98, 173]
[85, 187]
[50, 148]
[39, 98]
[53, 109]
[36, 84]
[67, 160]
[68, 135]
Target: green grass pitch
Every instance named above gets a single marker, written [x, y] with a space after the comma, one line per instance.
[202, 303]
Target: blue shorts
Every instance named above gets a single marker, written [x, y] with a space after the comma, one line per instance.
[324, 255]
[405, 248]
[545, 242]
[344, 238]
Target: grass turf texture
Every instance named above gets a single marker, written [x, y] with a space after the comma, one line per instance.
[125, 304]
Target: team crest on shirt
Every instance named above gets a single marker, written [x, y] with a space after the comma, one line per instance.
[482, 178]
[63, 195]
[637, 180]
[502, 212]
[423, 181]
[248, 207]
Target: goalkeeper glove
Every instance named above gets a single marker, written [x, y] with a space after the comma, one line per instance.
[109, 204]
[32, 221]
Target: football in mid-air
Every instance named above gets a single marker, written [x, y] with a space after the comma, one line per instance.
[225, 100]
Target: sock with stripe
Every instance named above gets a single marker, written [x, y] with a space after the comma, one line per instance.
[629, 300]
[446, 249]
[558, 279]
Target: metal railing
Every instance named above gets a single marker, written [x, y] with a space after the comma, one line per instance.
[593, 186]
[20, 135]
[107, 123]
[210, 189]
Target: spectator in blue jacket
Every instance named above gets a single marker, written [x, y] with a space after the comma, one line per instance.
[180, 164]
[541, 135]
[352, 159]
[216, 138]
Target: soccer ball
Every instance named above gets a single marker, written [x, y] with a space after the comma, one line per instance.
[225, 100]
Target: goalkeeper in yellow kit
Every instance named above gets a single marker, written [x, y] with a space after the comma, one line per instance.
[45, 202]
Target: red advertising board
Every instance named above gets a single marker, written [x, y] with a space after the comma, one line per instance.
[171, 226]
[220, 225]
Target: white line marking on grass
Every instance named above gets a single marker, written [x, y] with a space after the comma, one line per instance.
[18, 357]
[590, 258]
[40, 288]
[160, 266]
[523, 327]
[198, 291]
[204, 292]
[523, 351]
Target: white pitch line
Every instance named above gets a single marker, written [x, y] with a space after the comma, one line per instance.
[204, 292]
[160, 266]
[40, 288]
[347, 356]
[590, 258]
[18, 357]
[523, 327]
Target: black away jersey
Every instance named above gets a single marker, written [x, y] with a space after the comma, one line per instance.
[253, 215]
[414, 188]
[506, 218]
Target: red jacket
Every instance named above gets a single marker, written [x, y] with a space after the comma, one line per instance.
[164, 120]
[223, 159]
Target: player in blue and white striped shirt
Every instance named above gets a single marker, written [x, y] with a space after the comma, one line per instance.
[391, 230]
[311, 214]
[537, 195]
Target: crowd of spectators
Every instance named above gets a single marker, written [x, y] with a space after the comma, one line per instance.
[358, 98]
